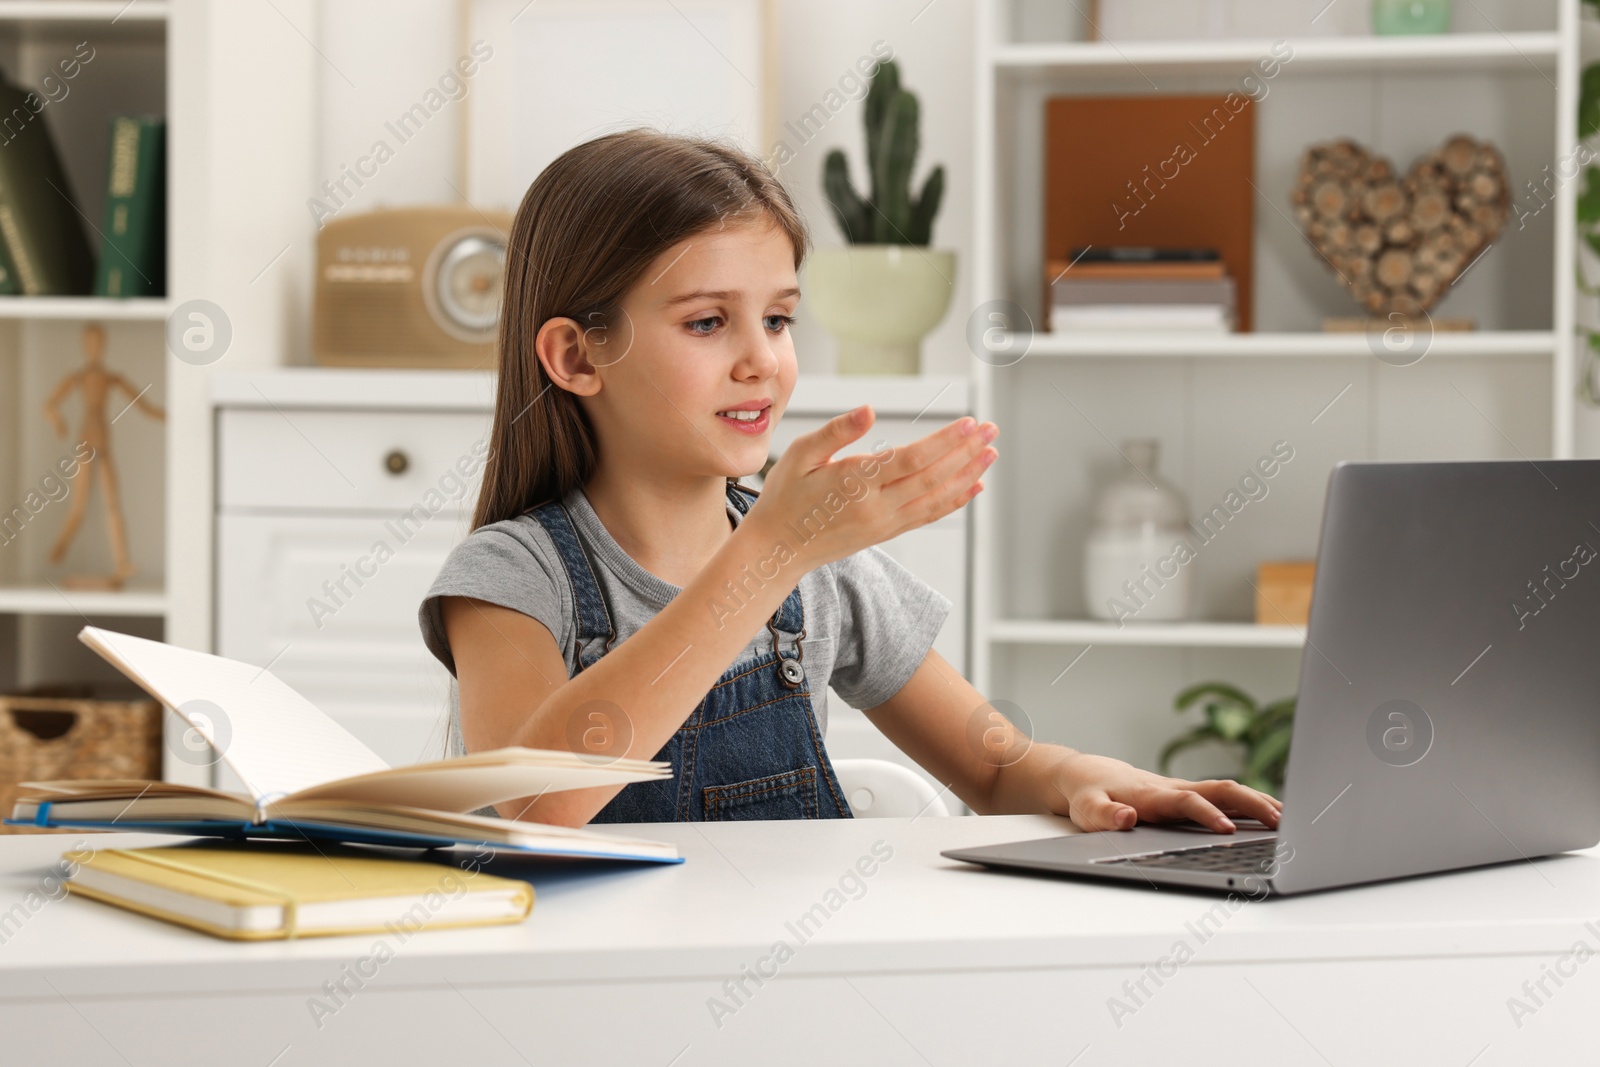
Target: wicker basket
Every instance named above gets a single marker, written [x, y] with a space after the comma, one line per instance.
[45, 736]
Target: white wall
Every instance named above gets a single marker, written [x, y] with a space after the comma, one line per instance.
[380, 56]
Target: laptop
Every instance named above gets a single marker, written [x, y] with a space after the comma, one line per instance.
[1449, 697]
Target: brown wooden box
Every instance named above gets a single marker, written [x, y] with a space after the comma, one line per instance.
[44, 737]
[1283, 592]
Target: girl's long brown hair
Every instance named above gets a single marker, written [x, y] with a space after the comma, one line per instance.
[585, 232]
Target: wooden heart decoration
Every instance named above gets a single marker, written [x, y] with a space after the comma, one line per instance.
[1400, 242]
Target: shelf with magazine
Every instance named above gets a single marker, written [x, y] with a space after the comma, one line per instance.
[1249, 339]
[83, 310]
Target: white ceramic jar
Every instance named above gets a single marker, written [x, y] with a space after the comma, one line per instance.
[1130, 570]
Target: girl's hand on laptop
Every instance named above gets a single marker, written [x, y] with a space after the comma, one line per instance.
[1108, 794]
[826, 508]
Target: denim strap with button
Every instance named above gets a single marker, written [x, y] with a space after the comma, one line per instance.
[594, 620]
[751, 749]
[788, 617]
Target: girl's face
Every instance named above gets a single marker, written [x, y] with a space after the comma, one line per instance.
[704, 334]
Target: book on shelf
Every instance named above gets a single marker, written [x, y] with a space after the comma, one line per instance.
[39, 220]
[1201, 292]
[306, 777]
[133, 227]
[279, 890]
[1145, 255]
[9, 285]
[1065, 318]
[1083, 270]
[1141, 293]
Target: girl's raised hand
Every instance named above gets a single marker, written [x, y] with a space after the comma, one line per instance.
[826, 509]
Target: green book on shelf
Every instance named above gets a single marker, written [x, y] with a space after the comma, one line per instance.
[39, 219]
[133, 233]
[8, 273]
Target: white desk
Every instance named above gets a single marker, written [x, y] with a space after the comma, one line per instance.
[935, 962]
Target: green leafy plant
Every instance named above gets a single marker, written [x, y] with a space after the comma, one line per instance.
[889, 214]
[1232, 716]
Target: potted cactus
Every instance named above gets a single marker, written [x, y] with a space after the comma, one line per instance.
[881, 293]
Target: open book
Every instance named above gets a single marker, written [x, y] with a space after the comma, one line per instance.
[310, 778]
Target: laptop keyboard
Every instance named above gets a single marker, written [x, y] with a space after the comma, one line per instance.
[1248, 857]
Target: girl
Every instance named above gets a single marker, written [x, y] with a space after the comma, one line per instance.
[621, 593]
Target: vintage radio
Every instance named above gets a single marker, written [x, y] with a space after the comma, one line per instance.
[410, 287]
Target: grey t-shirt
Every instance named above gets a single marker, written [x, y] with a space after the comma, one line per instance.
[869, 621]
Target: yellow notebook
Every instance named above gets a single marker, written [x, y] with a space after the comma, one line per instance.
[266, 891]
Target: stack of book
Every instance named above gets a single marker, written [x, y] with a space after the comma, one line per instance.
[307, 777]
[294, 855]
[1121, 288]
[44, 247]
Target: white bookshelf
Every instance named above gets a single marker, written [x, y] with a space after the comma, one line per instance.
[99, 15]
[106, 19]
[1508, 73]
[230, 79]
[1535, 343]
[84, 308]
[1082, 632]
[41, 342]
[130, 602]
[1469, 52]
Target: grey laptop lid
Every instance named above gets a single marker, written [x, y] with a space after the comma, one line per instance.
[1449, 697]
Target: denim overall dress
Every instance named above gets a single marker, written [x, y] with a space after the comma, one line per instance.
[751, 749]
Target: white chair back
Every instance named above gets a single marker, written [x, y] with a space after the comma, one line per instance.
[879, 789]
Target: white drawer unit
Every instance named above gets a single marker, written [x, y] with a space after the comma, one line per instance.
[331, 602]
[313, 460]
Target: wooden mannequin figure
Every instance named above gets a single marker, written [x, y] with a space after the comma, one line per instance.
[96, 384]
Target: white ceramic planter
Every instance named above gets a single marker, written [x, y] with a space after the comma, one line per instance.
[880, 301]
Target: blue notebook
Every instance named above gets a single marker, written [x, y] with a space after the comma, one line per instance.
[309, 778]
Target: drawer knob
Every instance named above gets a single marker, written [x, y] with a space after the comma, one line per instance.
[396, 462]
